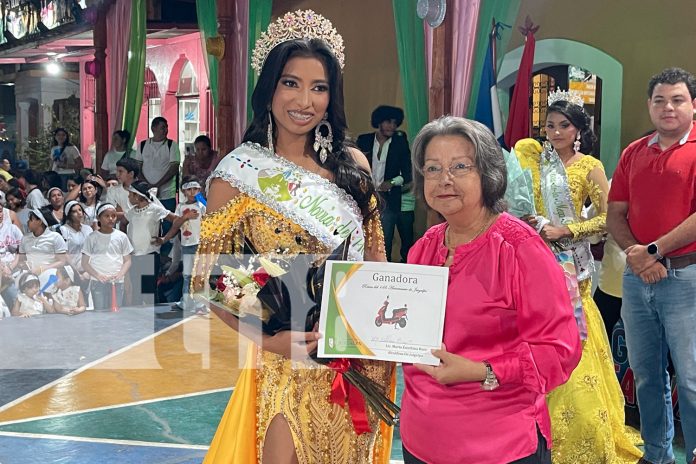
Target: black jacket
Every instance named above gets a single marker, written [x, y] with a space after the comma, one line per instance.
[398, 164]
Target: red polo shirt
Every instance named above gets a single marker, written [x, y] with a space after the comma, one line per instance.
[659, 186]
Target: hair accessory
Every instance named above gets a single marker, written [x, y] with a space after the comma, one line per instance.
[322, 144]
[301, 24]
[191, 185]
[39, 215]
[103, 207]
[48, 193]
[68, 206]
[147, 195]
[571, 96]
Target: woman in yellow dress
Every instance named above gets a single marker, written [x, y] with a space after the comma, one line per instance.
[293, 185]
[587, 412]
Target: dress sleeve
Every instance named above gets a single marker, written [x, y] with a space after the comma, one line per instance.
[374, 235]
[220, 233]
[598, 191]
[550, 343]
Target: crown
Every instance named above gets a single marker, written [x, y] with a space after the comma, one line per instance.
[571, 96]
[301, 24]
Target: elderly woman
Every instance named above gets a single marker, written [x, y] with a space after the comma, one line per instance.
[510, 335]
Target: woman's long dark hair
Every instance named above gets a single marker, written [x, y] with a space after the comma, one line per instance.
[347, 174]
[578, 118]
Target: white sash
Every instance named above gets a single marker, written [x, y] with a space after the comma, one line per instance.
[319, 206]
[555, 193]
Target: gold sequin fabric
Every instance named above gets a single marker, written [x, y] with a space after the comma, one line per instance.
[587, 412]
[322, 432]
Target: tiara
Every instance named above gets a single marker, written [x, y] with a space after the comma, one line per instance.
[571, 96]
[301, 24]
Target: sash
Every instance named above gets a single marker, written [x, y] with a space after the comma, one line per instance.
[555, 193]
[319, 206]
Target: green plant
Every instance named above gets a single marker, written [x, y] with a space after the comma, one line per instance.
[37, 150]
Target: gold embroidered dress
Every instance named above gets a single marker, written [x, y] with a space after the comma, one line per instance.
[271, 384]
[587, 412]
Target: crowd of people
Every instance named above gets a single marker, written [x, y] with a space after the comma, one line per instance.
[74, 240]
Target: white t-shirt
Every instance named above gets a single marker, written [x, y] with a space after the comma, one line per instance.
[36, 200]
[191, 229]
[118, 196]
[75, 240]
[91, 212]
[106, 251]
[66, 163]
[110, 159]
[42, 250]
[156, 159]
[379, 165]
[143, 226]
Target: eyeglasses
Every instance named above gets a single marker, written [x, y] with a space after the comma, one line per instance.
[434, 171]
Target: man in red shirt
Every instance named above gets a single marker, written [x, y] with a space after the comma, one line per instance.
[652, 215]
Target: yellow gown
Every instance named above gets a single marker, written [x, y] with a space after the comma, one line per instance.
[270, 384]
[587, 412]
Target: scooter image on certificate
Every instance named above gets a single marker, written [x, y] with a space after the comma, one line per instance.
[398, 316]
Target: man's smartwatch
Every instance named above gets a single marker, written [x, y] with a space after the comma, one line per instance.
[491, 381]
[654, 251]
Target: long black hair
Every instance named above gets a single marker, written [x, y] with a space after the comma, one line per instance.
[347, 174]
[578, 118]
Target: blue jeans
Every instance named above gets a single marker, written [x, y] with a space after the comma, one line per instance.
[187, 256]
[101, 295]
[659, 318]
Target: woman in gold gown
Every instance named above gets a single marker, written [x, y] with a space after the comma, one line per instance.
[587, 412]
[283, 191]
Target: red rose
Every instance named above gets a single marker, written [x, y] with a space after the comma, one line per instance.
[220, 284]
[261, 277]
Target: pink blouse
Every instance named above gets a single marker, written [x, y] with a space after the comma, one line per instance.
[507, 303]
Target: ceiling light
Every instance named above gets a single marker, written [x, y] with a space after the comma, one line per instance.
[53, 68]
[51, 53]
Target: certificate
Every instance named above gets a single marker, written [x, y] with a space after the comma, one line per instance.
[386, 311]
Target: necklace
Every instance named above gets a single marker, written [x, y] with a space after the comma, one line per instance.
[478, 232]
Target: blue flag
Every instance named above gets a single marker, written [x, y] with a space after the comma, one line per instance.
[487, 106]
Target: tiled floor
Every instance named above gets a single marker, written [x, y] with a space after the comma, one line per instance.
[137, 386]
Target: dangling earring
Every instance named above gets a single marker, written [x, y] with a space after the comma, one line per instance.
[322, 144]
[269, 134]
[576, 144]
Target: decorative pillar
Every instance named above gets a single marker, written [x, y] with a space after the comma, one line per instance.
[23, 122]
[101, 121]
[229, 31]
[440, 93]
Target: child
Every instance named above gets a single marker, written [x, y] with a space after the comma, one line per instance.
[29, 302]
[68, 298]
[41, 248]
[106, 258]
[191, 211]
[143, 225]
[127, 172]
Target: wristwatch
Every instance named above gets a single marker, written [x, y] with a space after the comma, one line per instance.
[654, 251]
[491, 381]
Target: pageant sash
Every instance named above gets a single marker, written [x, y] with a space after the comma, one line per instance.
[319, 206]
[555, 193]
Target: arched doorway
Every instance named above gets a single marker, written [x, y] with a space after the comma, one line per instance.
[561, 52]
[189, 108]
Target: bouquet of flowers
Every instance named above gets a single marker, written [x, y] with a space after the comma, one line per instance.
[283, 292]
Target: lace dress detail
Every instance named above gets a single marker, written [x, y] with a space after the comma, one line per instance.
[587, 412]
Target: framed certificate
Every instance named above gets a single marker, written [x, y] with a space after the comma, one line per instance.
[386, 311]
